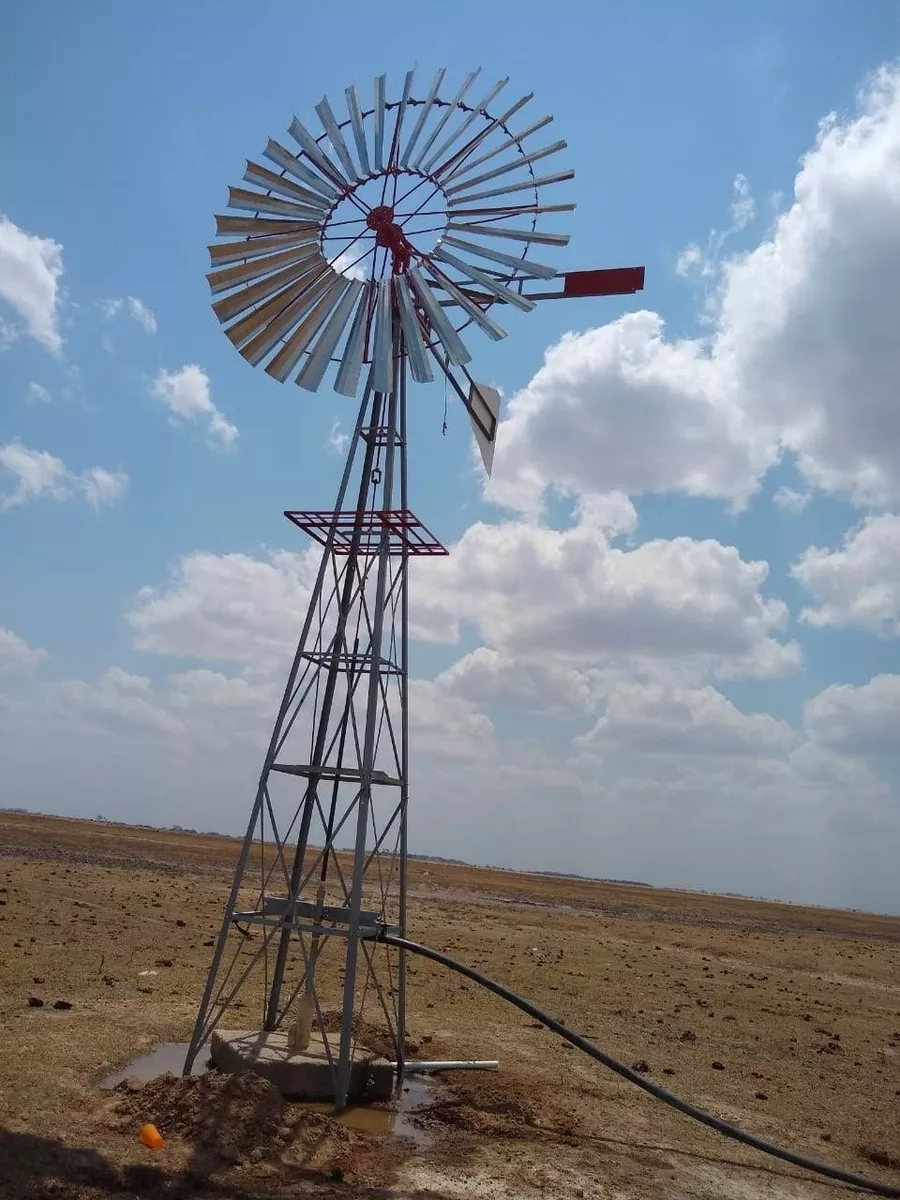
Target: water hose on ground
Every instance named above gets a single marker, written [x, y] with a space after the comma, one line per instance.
[690, 1110]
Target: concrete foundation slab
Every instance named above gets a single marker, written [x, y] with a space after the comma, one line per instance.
[305, 1074]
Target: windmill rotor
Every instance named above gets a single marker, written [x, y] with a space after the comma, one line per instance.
[406, 218]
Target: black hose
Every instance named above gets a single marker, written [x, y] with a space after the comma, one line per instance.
[690, 1110]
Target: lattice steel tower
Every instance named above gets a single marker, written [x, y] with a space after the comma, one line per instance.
[358, 262]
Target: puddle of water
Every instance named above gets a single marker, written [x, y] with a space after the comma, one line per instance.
[417, 1094]
[168, 1057]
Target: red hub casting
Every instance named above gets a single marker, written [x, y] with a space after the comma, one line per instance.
[389, 234]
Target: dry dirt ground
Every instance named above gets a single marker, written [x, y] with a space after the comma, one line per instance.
[800, 1008]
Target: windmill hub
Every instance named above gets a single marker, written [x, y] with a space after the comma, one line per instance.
[390, 235]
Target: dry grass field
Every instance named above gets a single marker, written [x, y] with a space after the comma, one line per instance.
[785, 1020]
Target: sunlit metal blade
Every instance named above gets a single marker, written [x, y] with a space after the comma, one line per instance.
[232, 306]
[423, 116]
[527, 185]
[359, 129]
[477, 110]
[522, 265]
[313, 371]
[255, 226]
[382, 345]
[289, 354]
[314, 151]
[264, 178]
[439, 320]
[347, 379]
[241, 331]
[516, 235]
[445, 116]
[491, 328]
[223, 281]
[330, 125]
[519, 161]
[484, 413]
[276, 153]
[513, 140]
[257, 349]
[412, 335]
[260, 246]
[242, 198]
[512, 210]
[464, 151]
[379, 122]
[398, 123]
[486, 281]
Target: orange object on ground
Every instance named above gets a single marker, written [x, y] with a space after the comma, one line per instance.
[151, 1137]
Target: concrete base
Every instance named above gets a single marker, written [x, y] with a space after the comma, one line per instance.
[305, 1074]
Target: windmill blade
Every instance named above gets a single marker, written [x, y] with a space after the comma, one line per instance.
[223, 281]
[412, 335]
[289, 354]
[347, 378]
[330, 125]
[379, 122]
[261, 246]
[314, 151]
[398, 123]
[265, 341]
[242, 331]
[255, 226]
[445, 116]
[270, 181]
[359, 130]
[491, 328]
[502, 293]
[276, 153]
[439, 321]
[383, 343]
[524, 160]
[242, 198]
[477, 110]
[313, 370]
[514, 140]
[245, 298]
[512, 210]
[475, 142]
[524, 265]
[427, 105]
[516, 235]
[484, 414]
[531, 185]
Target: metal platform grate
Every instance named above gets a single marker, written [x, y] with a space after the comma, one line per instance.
[406, 533]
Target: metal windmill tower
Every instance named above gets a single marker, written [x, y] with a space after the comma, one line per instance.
[364, 253]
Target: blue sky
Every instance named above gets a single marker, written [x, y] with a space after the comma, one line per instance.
[121, 128]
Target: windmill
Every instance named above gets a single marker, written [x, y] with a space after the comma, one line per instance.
[363, 255]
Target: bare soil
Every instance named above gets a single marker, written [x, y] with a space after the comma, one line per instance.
[798, 1008]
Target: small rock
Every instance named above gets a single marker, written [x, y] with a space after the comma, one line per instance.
[256, 1155]
[689, 1036]
[761, 1096]
[148, 991]
[132, 1084]
[717, 1066]
[37, 979]
[163, 962]
[181, 924]
[209, 943]
[62, 1005]
[110, 980]
[641, 1066]
[668, 1071]
[336, 1173]
[826, 1137]
[35, 1002]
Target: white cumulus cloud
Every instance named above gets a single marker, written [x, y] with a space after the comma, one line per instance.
[859, 720]
[30, 267]
[16, 654]
[187, 393]
[859, 583]
[41, 475]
